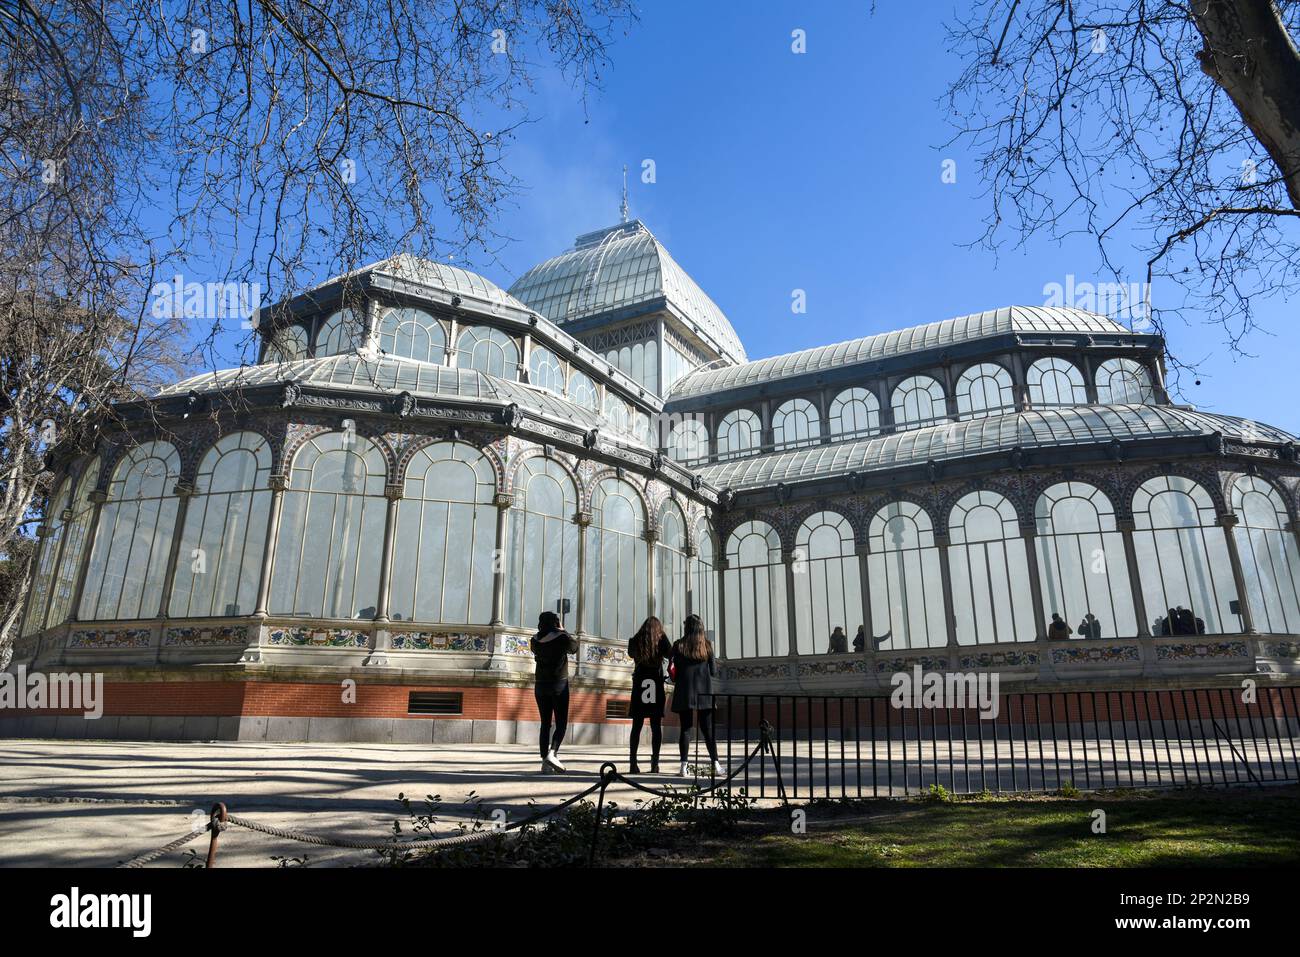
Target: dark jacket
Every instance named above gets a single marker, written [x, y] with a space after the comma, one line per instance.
[652, 671]
[693, 688]
[552, 676]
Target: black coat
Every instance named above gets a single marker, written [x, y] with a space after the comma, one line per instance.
[552, 657]
[693, 684]
[653, 672]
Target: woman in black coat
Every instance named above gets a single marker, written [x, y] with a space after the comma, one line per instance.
[551, 647]
[694, 670]
[648, 648]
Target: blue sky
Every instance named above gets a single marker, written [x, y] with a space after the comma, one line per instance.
[821, 172]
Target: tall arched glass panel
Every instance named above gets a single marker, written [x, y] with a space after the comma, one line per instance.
[75, 534]
[331, 533]
[918, 402]
[704, 578]
[340, 332]
[134, 539]
[543, 548]
[1082, 568]
[754, 590]
[1270, 561]
[1123, 382]
[827, 585]
[1183, 557]
[583, 391]
[413, 334]
[854, 413]
[795, 424]
[617, 413]
[671, 571]
[287, 344]
[1055, 382]
[688, 441]
[38, 594]
[905, 579]
[445, 538]
[992, 601]
[616, 585]
[488, 350]
[220, 559]
[545, 370]
[738, 434]
[985, 389]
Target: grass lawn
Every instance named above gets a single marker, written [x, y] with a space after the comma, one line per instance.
[1143, 829]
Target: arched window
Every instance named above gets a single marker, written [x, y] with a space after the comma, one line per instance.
[220, 559]
[984, 389]
[796, 424]
[904, 577]
[582, 391]
[413, 334]
[543, 549]
[617, 413]
[754, 590]
[688, 441]
[616, 586]
[1081, 564]
[1270, 562]
[640, 426]
[1123, 382]
[38, 595]
[340, 332]
[545, 370]
[134, 540]
[488, 350]
[639, 361]
[1055, 382]
[738, 434]
[827, 586]
[918, 402]
[855, 412]
[287, 345]
[704, 578]
[990, 572]
[670, 570]
[331, 530]
[444, 538]
[76, 530]
[1183, 556]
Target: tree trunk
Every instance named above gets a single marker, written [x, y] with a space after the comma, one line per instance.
[1249, 53]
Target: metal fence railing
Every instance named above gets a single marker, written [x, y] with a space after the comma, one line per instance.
[858, 747]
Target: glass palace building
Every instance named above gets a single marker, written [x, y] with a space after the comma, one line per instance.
[422, 463]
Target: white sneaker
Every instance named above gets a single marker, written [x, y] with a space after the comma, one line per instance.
[683, 772]
[554, 761]
[719, 770]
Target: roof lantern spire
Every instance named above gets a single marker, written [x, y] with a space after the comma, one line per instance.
[623, 208]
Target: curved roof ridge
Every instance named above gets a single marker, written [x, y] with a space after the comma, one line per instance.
[978, 325]
[1031, 428]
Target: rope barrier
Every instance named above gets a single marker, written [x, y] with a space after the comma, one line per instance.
[220, 820]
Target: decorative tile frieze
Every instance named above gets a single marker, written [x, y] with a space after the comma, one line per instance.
[111, 639]
[318, 638]
[1193, 650]
[196, 636]
[1000, 659]
[891, 666]
[436, 641]
[762, 672]
[1085, 654]
[832, 666]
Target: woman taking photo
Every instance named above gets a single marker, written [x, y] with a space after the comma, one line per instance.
[693, 672]
[552, 646]
[648, 648]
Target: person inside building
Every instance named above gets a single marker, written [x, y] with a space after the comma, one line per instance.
[839, 644]
[1058, 629]
[648, 648]
[551, 647]
[693, 673]
[860, 639]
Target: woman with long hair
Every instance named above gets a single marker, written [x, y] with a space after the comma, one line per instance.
[694, 670]
[648, 648]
